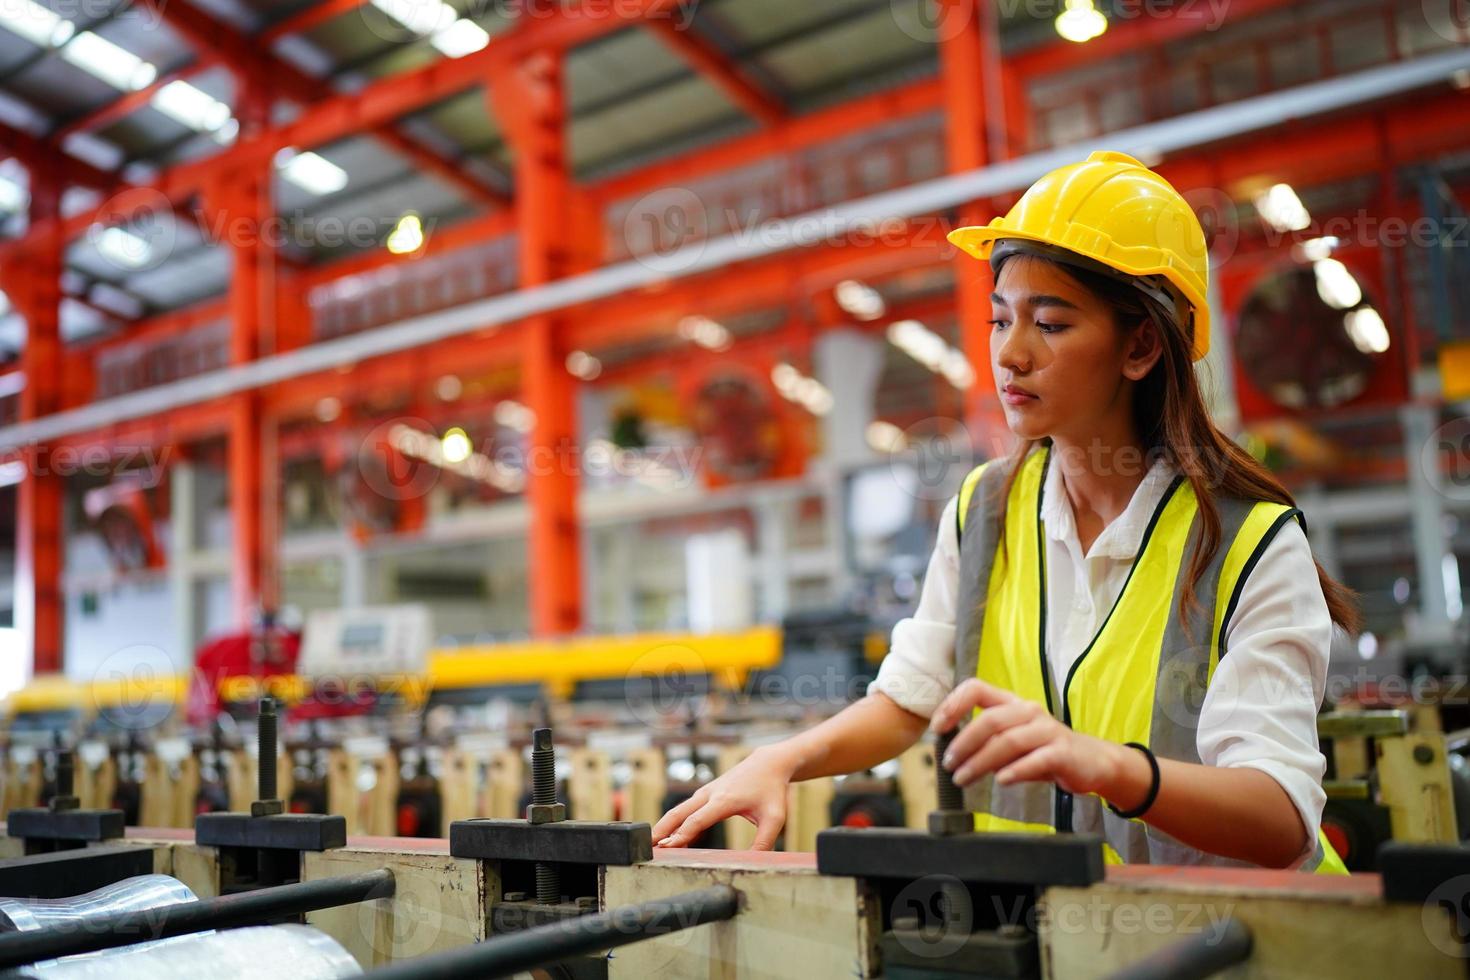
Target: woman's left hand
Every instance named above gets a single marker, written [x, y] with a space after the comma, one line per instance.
[1019, 741]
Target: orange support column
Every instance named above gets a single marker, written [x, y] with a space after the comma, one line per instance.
[34, 286]
[962, 62]
[243, 201]
[555, 235]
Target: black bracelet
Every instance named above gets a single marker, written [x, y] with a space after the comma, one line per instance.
[1153, 790]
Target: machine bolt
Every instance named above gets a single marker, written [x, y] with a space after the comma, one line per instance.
[545, 809]
[266, 803]
[66, 769]
[1423, 755]
[950, 796]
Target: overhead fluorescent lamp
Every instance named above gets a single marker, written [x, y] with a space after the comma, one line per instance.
[123, 248]
[1336, 285]
[114, 65]
[1280, 208]
[42, 27]
[423, 17]
[13, 196]
[191, 107]
[311, 172]
[460, 38]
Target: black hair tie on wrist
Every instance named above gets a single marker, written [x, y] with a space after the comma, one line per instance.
[1153, 789]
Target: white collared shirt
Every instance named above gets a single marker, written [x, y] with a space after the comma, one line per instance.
[1261, 707]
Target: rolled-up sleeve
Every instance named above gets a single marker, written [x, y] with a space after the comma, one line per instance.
[1261, 707]
[918, 671]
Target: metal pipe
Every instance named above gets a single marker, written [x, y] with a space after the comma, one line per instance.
[85, 935]
[1193, 957]
[520, 951]
[1182, 132]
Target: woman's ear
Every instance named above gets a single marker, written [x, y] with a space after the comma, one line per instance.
[1145, 346]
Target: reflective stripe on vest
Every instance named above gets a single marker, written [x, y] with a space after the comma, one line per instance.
[1144, 675]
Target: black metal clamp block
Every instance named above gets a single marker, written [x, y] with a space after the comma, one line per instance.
[987, 858]
[285, 831]
[1415, 873]
[617, 843]
[63, 874]
[911, 951]
[88, 826]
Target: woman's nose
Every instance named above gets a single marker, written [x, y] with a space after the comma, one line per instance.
[1013, 354]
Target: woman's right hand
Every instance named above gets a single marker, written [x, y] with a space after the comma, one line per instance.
[755, 789]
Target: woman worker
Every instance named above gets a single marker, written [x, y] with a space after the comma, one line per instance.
[1124, 615]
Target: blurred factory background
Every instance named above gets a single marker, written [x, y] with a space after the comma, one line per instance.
[520, 348]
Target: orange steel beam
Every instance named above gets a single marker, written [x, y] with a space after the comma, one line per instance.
[35, 290]
[529, 99]
[43, 159]
[962, 71]
[259, 67]
[710, 62]
[245, 197]
[313, 16]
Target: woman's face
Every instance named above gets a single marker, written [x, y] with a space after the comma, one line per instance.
[1061, 363]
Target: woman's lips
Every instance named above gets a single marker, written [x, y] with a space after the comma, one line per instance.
[1014, 396]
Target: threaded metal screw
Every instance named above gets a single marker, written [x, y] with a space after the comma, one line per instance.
[543, 793]
[266, 803]
[950, 795]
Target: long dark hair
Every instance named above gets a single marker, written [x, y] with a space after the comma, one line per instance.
[1171, 420]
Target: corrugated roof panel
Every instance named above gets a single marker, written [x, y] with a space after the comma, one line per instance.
[673, 113]
[849, 51]
[629, 61]
[758, 21]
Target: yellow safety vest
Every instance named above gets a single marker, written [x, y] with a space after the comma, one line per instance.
[1144, 675]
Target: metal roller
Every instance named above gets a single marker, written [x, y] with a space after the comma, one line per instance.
[253, 953]
[128, 895]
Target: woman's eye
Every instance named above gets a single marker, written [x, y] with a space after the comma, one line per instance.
[1050, 327]
[1000, 324]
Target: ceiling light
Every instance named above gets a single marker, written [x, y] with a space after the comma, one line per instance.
[114, 65]
[583, 365]
[460, 38]
[13, 197]
[455, 446]
[123, 248]
[796, 387]
[423, 17]
[1336, 285]
[328, 410]
[885, 437]
[448, 388]
[407, 236]
[1367, 330]
[1280, 208]
[311, 172]
[42, 27]
[859, 299]
[1316, 249]
[514, 415]
[705, 332]
[1080, 22]
[193, 108]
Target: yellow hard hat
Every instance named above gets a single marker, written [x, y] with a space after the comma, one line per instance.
[1112, 210]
